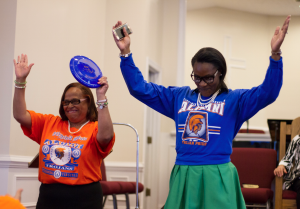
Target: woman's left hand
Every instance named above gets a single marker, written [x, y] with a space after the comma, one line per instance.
[101, 91]
[279, 35]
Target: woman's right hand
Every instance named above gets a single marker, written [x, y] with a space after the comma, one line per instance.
[22, 68]
[280, 170]
[124, 43]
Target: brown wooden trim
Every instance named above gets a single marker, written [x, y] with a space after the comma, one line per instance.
[288, 129]
[278, 192]
[295, 127]
[289, 204]
[282, 145]
[284, 131]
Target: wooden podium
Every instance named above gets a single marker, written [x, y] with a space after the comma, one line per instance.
[274, 128]
[34, 163]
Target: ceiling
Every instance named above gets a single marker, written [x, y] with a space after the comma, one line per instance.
[265, 7]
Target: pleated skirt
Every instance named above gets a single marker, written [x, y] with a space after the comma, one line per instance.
[205, 187]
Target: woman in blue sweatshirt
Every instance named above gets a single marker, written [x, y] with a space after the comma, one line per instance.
[207, 120]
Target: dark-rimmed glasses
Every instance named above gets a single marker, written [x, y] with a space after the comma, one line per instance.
[206, 79]
[73, 102]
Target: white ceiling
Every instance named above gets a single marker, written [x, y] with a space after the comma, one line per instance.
[266, 7]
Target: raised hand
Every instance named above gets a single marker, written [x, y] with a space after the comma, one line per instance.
[101, 91]
[22, 69]
[18, 194]
[123, 44]
[279, 35]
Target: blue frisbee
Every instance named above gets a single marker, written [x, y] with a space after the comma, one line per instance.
[85, 71]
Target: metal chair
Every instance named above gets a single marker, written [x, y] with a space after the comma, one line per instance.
[115, 188]
[118, 187]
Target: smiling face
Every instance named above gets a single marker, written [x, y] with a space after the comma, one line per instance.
[76, 113]
[204, 69]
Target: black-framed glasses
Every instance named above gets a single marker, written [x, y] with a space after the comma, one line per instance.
[206, 79]
[73, 102]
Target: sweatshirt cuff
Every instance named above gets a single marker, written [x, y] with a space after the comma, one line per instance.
[276, 63]
[126, 58]
[283, 163]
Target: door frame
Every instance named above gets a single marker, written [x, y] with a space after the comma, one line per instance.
[151, 176]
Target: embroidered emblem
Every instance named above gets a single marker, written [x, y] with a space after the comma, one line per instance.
[57, 174]
[45, 149]
[76, 153]
[60, 155]
[196, 127]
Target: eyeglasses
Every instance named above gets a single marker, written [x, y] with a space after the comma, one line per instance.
[206, 79]
[73, 102]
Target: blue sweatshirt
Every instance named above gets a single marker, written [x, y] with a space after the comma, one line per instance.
[204, 134]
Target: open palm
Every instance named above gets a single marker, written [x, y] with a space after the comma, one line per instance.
[22, 68]
[279, 35]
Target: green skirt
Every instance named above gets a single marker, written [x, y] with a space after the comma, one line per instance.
[205, 187]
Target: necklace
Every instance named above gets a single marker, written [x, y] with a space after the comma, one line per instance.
[78, 129]
[210, 100]
[204, 100]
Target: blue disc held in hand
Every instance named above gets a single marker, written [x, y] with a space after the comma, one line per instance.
[85, 71]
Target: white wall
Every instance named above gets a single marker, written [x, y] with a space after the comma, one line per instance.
[7, 43]
[286, 106]
[51, 33]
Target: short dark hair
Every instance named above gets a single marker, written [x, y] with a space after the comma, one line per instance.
[213, 56]
[92, 113]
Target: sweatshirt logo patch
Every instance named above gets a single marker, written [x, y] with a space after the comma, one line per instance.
[60, 155]
[196, 127]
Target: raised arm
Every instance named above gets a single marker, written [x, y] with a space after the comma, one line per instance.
[251, 101]
[22, 69]
[105, 126]
[155, 96]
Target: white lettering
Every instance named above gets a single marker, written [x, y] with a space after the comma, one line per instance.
[216, 108]
[222, 108]
[183, 107]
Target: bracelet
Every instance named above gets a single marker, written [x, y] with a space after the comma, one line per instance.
[99, 102]
[16, 82]
[102, 105]
[124, 55]
[20, 87]
[276, 53]
[104, 100]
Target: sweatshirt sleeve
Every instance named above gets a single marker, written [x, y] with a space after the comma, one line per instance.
[155, 96]
[255, 99]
